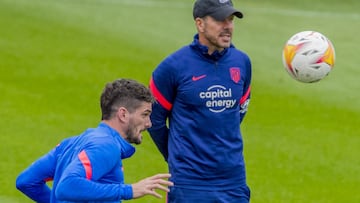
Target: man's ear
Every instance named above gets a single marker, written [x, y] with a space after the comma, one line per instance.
[122, 114]
[200, 24]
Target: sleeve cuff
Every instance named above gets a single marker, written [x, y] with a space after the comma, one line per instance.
[127, 192]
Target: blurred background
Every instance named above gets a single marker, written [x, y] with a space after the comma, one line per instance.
[301, 140]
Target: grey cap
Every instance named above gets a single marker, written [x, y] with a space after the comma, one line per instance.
[218, 9]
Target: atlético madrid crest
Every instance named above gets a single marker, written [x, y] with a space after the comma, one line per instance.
[235, 74]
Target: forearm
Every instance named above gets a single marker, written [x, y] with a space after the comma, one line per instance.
[159, 131]
[32, 181]
[160, 138]
[34, 189]
[80, 189]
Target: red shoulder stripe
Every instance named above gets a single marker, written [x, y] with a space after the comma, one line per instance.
[84, 159]
[159, 97]
[245, 96]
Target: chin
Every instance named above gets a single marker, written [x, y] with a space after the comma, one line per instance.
[226, 45]
[139, 140]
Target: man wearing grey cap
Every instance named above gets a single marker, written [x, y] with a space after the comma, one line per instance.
[202, 92]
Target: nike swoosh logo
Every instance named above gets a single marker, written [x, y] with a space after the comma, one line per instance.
[196, 78]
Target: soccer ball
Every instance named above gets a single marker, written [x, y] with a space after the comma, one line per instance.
[308, 56]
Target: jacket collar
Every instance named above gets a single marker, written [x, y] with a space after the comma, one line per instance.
[127, 150]
[203, 50]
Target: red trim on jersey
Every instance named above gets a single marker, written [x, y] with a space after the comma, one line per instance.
[246, 96]
[159, 97]
[48, 179]
[84, 159]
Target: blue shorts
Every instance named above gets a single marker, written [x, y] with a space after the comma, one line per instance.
[182, 195]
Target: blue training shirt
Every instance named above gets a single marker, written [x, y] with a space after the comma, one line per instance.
[85, 168]
[204, 98]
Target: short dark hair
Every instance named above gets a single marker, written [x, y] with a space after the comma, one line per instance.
[123, 92]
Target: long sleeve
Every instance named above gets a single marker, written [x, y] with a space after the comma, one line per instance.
[159, 132]
[80, 189]
[32, 181]
[245, 99]
[83, 179]
[162, 87]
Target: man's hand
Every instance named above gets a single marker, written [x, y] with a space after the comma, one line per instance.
[148, 185]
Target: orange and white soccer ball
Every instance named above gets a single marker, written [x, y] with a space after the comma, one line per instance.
[308, 56]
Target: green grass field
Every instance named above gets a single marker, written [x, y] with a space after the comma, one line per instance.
[301, 140]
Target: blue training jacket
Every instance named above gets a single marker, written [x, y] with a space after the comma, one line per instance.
[204, 97]
[85, 168]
